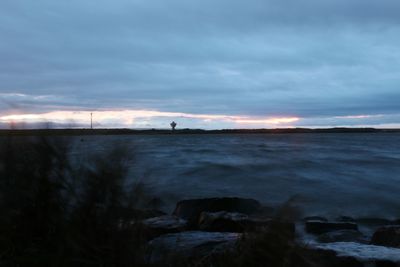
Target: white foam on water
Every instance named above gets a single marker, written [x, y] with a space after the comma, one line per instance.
[362, 252]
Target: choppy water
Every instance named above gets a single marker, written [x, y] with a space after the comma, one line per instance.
[332, 174]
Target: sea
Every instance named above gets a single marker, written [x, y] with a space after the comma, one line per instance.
[327, 174]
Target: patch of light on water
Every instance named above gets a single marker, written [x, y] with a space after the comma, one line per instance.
[362, 252]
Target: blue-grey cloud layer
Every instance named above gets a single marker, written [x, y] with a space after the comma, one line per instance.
[308, 58]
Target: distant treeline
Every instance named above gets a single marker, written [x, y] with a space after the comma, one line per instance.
[61, 132]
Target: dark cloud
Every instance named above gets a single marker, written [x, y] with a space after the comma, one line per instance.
[308, 58]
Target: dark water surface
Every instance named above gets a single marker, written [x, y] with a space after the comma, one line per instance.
[331, 174]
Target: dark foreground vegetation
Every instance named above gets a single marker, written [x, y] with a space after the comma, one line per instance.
[84, 210]
[56, 212]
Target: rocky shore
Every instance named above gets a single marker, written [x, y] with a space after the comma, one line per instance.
[207, 228]
[59, 210]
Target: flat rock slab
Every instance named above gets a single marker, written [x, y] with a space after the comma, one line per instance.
[345, 219]
[190, 244]
[223, 221]
[364, 253]
[192, 208]
[319, 227]
[315, 218]
[387, 236]
[376, 221]
[164, 224]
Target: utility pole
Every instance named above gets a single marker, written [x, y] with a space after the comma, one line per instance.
[91, 120]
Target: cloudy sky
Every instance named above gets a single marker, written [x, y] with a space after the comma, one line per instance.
[204, 64]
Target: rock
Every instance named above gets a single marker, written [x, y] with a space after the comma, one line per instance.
[368, 254]
[318, 227]
[190, 244]
[191, 209]
[387, 236]
[144, 214]
[164, 224]
[342, 236]
[134, 216]
[374, 221]
[315, 218]
[386, 263]
[345, 219]
[223, 221]
[326, 258]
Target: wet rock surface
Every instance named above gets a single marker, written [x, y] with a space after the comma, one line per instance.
[376, 221]
[345, 219]
[345, 245]
[190, 244]
[363, 252]
[223, 221]
[164, 224]
[205, 227]
[315, 218]
[191, 209]
[387, 236]
[326, 258]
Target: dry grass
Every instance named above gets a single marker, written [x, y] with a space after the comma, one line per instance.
[56, 214]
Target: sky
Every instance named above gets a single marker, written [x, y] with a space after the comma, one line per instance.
[205, 64]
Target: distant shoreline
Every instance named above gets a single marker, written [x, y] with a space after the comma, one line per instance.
[120, 131]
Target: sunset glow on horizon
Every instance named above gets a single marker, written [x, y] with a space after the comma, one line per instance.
[141, 118]
[132, 118]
